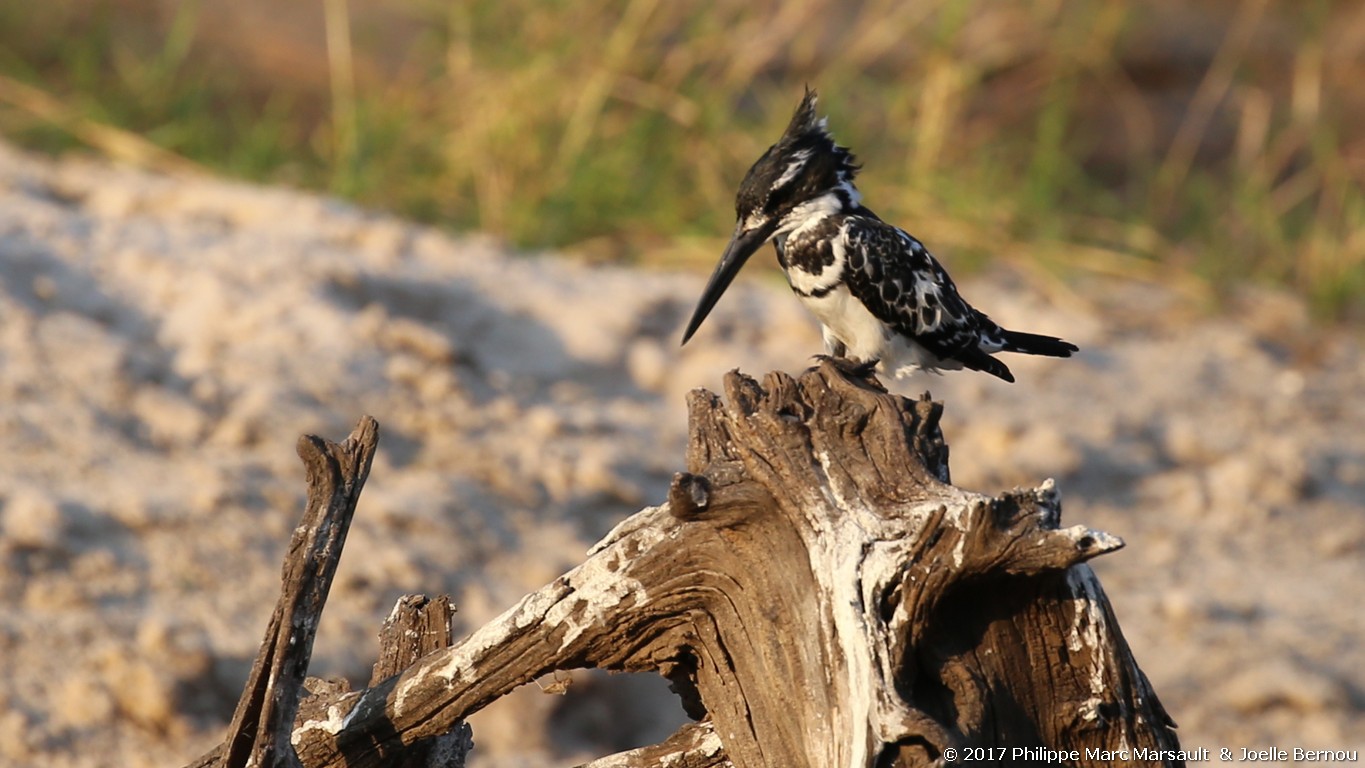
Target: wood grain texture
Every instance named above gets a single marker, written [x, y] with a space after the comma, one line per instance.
[818, 594]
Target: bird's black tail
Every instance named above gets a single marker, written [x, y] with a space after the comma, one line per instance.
[1037, 344]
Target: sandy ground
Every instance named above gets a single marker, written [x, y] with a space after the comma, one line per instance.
[163, 342]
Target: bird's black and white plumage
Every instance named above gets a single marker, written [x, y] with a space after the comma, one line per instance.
[877, 291]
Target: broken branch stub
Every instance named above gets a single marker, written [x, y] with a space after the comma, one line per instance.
[265, 714]
[817, 591]
[419, 625]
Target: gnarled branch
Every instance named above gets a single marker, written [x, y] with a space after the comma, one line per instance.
[819, 594]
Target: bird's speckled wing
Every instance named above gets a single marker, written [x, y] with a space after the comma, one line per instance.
[904, 286]
[899, 282]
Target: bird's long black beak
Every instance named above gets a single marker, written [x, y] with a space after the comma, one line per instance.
[742, 245]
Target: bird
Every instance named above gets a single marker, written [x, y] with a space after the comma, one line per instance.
[881, 298]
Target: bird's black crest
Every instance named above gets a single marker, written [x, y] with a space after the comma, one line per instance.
[806, 127]
[820, 164]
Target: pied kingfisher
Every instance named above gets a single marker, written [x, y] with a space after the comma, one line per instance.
[878, 293]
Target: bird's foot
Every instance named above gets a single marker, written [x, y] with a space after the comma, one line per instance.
[851, 367]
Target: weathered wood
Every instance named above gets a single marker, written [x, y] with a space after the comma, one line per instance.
[695, 745]
[817, 591]
[264, 719]
[416, 627]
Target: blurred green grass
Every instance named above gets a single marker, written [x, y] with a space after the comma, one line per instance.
[1202, 145]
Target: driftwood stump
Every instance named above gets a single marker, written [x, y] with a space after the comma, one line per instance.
[270, 714]
[819, 595]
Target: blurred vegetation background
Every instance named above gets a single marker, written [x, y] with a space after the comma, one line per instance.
[1201, 144]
